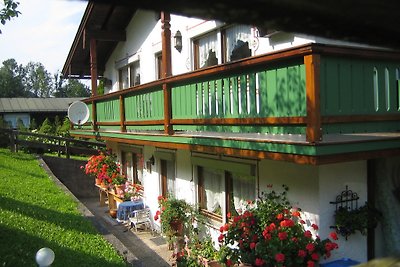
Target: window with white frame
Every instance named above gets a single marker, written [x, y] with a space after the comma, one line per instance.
[222, 45]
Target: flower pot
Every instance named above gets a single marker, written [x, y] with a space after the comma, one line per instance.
[177, 227]
[103, 185]
[98, 181]
[113, 213]
[120, 189]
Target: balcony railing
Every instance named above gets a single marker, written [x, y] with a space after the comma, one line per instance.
[310, 90]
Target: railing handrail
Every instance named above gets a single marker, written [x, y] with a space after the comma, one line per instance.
[58, 138]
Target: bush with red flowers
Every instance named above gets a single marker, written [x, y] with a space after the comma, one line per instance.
[103, 166]
[272, 233]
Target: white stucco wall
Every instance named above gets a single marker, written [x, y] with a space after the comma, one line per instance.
[333, 179]
[311, 188]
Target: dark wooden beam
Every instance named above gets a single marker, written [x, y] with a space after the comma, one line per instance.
[104, 35]
[93, 65]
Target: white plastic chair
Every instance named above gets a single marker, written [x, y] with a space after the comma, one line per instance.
[140, 217]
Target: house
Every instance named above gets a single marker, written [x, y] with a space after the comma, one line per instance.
[26, 109]
[214, 113]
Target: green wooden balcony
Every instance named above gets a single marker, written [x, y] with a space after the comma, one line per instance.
[307, 104]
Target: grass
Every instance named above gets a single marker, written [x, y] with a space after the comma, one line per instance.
[35, 213]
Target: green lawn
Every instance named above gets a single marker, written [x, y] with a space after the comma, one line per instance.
[35, 213]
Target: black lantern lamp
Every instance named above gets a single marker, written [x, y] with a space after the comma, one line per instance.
[178, 41]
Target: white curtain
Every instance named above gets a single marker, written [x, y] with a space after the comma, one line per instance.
[171, 177]
[243, 190]
[233, 35]
[208, 45]
[214, 189]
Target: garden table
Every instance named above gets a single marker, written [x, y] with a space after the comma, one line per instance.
[127, 207]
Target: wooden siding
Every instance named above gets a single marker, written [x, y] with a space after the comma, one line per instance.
[354, 87]
[144, 106]
[108, 111]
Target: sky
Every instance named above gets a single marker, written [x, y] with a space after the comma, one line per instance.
[43, 32]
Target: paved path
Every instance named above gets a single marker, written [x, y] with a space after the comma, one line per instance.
[140, 249]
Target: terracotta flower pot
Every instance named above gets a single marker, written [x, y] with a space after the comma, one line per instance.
[177, 226]
[113, 213]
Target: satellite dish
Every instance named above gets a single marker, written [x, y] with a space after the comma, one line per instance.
[78, 113]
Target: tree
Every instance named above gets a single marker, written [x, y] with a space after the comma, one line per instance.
[12, 79]
[8, 11]
[38, 80]
[69, 88]
[47, 127]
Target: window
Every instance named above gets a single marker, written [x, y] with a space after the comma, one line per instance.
[222, 191]
[132, 166]
[167, 177]
[158, 57]
[237, 40]
[211, 192]
[220, 46]
[134, 74]
[129, 75]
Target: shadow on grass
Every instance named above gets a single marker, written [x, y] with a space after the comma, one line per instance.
[64, 220]
[18, 248]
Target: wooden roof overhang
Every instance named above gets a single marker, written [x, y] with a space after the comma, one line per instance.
[104, 22]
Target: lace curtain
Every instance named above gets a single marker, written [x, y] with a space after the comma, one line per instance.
[214, 190]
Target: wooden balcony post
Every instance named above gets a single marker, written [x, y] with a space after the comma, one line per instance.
[166, 69]
[122, 113]
[314, 126]
[167, 109]
[93, 65]
[94, 116]
[166, 45]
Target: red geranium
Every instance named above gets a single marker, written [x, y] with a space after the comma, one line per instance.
[272, 234]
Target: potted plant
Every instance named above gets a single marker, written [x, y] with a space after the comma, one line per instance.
[361, 219]
[119, 181]
[172, 214]
[272, 233]
[104, 166]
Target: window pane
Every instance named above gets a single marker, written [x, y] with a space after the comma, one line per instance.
[237, 40]
[243, 189]
[208, 51]
[123, 78]
[213, 191]
[135, 74]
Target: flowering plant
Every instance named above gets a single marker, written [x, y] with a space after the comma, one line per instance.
[270, 234]
[172, 213]
[103, 166]
[133, 191]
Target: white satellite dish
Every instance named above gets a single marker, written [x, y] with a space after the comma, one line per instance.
[78, 113]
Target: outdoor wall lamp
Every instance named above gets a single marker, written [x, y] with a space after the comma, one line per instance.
[151, 160]
[178, 41]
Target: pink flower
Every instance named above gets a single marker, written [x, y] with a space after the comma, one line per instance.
[259, 262]
[302, 253]
[307, 234]
[310, 247]
[315, 256]
[333, 235]
[282, 235]
[314, 226]
[252, 245]
[280, 257]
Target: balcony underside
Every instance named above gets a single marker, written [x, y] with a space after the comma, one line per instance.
[288, 147]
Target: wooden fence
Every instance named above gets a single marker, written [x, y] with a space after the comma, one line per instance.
[46, 143]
